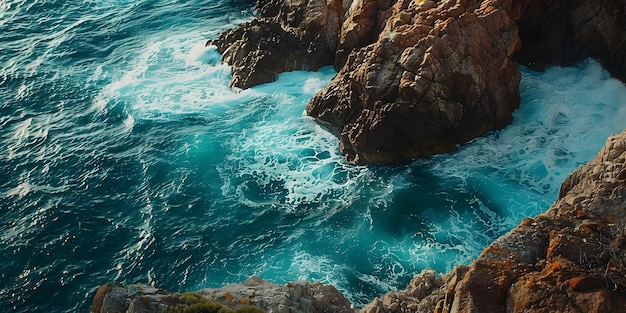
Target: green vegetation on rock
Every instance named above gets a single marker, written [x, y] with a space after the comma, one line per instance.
[192, 302]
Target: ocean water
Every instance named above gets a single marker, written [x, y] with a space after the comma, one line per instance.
[124, 156]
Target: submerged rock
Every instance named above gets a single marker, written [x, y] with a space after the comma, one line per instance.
[418, 77]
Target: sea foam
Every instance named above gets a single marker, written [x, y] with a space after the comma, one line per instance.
[375, 227]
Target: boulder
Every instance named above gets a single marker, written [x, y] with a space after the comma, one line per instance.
[439, 74]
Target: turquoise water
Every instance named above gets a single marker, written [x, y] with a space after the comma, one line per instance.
[125, 157]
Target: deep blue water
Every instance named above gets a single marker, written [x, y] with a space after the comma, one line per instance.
[125, 157]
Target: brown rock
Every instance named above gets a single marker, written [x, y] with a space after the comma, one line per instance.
[288, 35]
[585, 283]
[559, 261]
[427, 83]
[418, 77]
[96, 305]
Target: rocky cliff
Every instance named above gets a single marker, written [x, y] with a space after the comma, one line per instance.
[418, 77]
[572, 258]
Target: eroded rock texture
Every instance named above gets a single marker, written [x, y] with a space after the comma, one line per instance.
[572, 258]
[439, 74]
[418, 77]
[288, 35]
[297, 297]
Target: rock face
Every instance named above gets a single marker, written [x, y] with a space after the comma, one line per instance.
[564, 32]
[289, 35]
[572, 258]
[438, 74]
[418, 77]
[298, 297]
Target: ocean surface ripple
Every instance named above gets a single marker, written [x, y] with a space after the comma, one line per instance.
[126, 157]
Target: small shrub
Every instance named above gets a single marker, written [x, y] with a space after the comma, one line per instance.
[249, 309]
[192, 302]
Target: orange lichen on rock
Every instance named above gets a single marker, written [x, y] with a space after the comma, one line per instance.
[228, 296]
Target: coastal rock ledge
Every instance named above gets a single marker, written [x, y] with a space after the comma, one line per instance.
[419, 77]
[572, 258]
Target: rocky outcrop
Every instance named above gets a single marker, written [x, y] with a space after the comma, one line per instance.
[288, 35]
[439, 74]
[565, 32]
[114, 297]
[572, 258]
[298, 297]
[418, 77]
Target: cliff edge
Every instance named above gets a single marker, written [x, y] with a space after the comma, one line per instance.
[572, 258]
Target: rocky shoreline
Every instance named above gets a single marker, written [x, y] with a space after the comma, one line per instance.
[419, 77]
[572, 258]
[416, 78]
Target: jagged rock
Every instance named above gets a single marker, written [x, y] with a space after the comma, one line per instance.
[289, 35]
[114, 297]
[297, 297]
[571, 258]
[438, 75]
[418, 77]
[421, 295]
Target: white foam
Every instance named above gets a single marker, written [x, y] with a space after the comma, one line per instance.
[285, 150]
[566, 115]
[169, 77]
[201, 54]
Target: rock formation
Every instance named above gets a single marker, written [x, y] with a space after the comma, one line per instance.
[298, 297]
[572, 258]
[418, 77]
[439, 74]
[288, 35]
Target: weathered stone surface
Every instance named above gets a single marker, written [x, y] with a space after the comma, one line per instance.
[425, 293]
[298, 297]
[439, 74]
[288, 35]
[114, 297]
[418, 77]
[572, 258]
